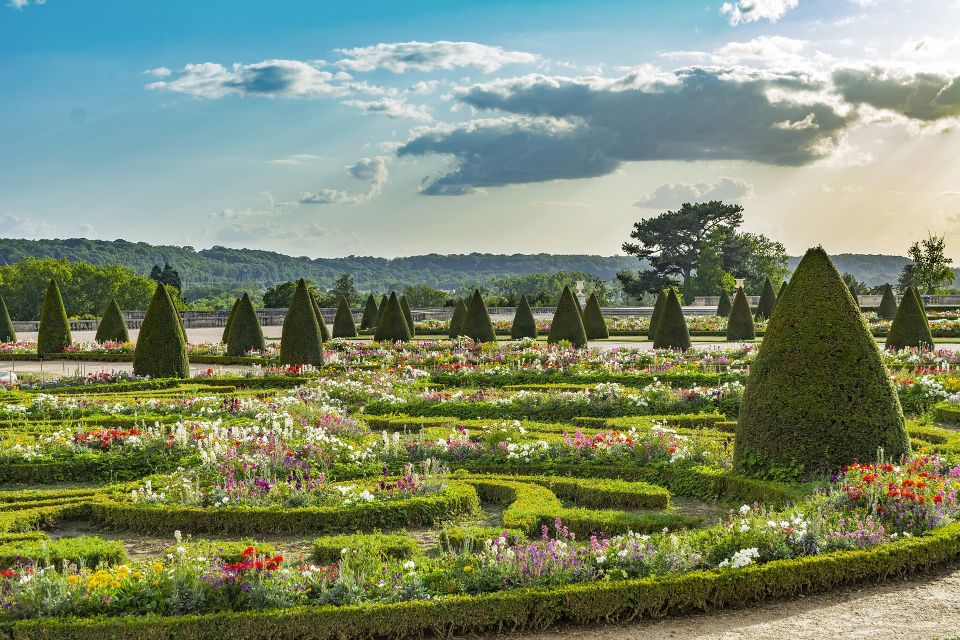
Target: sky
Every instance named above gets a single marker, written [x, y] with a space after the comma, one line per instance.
[402, 128]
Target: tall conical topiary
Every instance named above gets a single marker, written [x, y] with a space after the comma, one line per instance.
[343, 324]
[369, 318]
[916, 292]
[818, 396]
[456, 321]
[593, 321]
[655, 316]
[391, 325]
[321, 323]
[245, 331]
[768, 300]
[161, 350]
[576, 299]
[112, 327]
[780, 292]
[54, 333]
[567, 321]
[888, 303]
[7, 332]
[724, 306]
[476, 323]
[524, 324]
[226, 326]
[740, 325]
[910, 327]
[407, 315]
[672, 332]
[383, 303]
[300, 340]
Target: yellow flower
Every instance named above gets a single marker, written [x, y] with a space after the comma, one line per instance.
[115, 584]
[158, 566]
[73, 579]
[137, 574]
[468, 568]
[123, 571]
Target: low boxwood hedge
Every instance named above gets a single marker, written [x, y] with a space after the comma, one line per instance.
[328, 550]
[81, 550]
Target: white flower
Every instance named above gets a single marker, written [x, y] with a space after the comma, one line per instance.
[745, 509]
[601, 559]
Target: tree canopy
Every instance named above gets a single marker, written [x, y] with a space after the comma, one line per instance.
[930, 270]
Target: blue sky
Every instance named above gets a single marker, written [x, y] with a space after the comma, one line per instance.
[392, 128]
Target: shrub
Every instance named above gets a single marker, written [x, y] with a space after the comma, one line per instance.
[593, 321]
[818, 396]
[87, 550]
[112, 328]
[655, 316]
[161, 350]
[369, 318]
[300, 341]
[780, 292]
[524, 324]
[456, 321]
[724, 307]
[768, 300]
[910, 327]
[226, 326]
[329, 549]
[245, 332]
[672, 332]
[54, 334]
[7, 332]
[407, 315]
[227, 550]
[740, 325]
[567, 322]
[343, 325]
[476, 323]
[391, 325]
[321, 323]
[888, 303]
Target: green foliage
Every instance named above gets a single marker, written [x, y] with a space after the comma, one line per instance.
[226, 326]
[540, 288]
[910, 327]
[456, 321]
[724, 306]
[672, 332]
[888, 303]
[343, 324]
[369, 318]
[329, 549]
[321, 322]
[524, 324]
[161, 350]
[657, 312]
[476, 322]
[423, 296]
[818, 396]
[227, 550]
[300, 341]
[780, 292]
[391, 325]
[740, 325]
[407, 315]
[54, 334]
[113, 327]
[87, 550]
[7, 332]
[768, 300]
[931, 270]
[567, 321]
[343, 287]
[280, 295]
[245, 332]
[593, 321]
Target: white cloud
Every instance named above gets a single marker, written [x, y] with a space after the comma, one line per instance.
[809, 121]
[392, 108]
[401, 57]
[754, 10]
[298, 159]
[159, 72]
[949, 194]
[673, 195]
[20, 4]
[373, 171]
[269, 78]
[85, 230]
[17, 226]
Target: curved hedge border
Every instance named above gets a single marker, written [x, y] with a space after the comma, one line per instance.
[536, 378]
[88, 467]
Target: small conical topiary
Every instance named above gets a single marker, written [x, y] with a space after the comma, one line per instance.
[724, 306]
[916, 292]
[161, 350]
[321, 323]
[300, 341]
[369, 318]
[740, 325]
[383, 303]
[343, 324]
[245, 331]
[576, 299]
[476, 323]
[655, 316]
[524, 324]
[888, 303]
[7, 332]
[910, 327]
[113, 327]
[408, 315]
[226, 326]
[593, 321]
[768, 300]
[567, 321]
[391, 325]
[456, 321]
[54, 333]
[818, 396]
[672, 332]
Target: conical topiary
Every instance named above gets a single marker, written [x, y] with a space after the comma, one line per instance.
[576, 299]
[567, 323]
[916, 292]
[369, 318]
[407, 315]
[245, 332]
[672, 332]
[383, 303]
[300, 341]
[524, 324]
[226, 326]
[7, 332]
[818, 396]
[476, 323]
[112, 327]
[593, 321]
[910, 327]
[321, 323]
[391, 325]
[655, 315]
[768, 300]
[740, 324]
[161, 350]
[456, 321]
[724, 306]
[343, 324]
[780, 292]
[888, 303]
[54, 333]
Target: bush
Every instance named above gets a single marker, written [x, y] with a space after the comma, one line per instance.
[161, 350]
[407, 315]
[524, 324]
[768, 300]
[54, 334]
[476, 323]
[567, 322]
[593, 321]
[300, 341]
[87, 550]
[724, 307]
[112, 328]
[227, 550]
[369, 318]
[391, 325]
[343, 325]
[245, 332]
[321, 323]
[818, 396]
[456, 321]
[910, 327]
[740, 325]
[655, 316]
[226, 326]
[888, 303]
[329, 549]
[7, 332]
[780, 292]
[672, 332]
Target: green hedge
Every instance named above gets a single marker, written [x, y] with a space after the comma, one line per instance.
[226, 550]
[634, 380]
[327, 550]
[87, 550]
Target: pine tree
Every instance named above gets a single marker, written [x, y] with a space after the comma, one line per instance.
[593, 321]
[567, 323]
[724, 306]
[113, 326]
[226, 327]
[740, 325]
[768, 300]
[300, 340]
[343, 325]
[369, 318]
[7, 332]
[672, 332]
[910, 327]
[524, 324]
[54, 333]
[391, 325]
[407, 315]
[655, 316]
[888, 303]
[245, 331]
[476, 322]
[456, 321]
[161, 350]
[321, 323]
